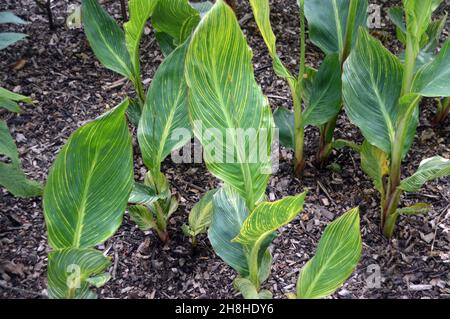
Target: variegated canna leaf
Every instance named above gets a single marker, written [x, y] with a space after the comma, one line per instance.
[143, 195]
[165, 111]
[90, 182]
[229, 213]
[429, 169]
[267, 218]
[372, 87]
[336, 258]
[175, 18]
[224, 95]
[106, 39]
[140, 12]
[9, 38]
[261, 12]
[201, 214]
[142, 216]
[70, 272]
[327, 21]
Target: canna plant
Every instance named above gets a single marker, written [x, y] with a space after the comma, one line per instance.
[382, 96]
[225, 96]
[85, 198]
[164, 108]
[331, 28]
[429, 42]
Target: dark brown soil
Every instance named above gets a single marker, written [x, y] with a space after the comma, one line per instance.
[69, 87]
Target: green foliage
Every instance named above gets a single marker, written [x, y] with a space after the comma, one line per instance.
[337, 255]
[84, 201]
[224, 95]
[382, 96]
[11, 175]
[200, 217]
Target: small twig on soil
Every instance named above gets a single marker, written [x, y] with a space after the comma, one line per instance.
[116, 262]
[115, 84]
[23, 291]
[277, 97]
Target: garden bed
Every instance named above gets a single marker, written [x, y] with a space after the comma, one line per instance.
[69, 87]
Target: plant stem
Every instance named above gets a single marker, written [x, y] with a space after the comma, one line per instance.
[296, 90]
[410, 64]
[327, 131]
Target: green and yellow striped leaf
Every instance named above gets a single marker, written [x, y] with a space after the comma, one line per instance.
[90, 182]
[372, 85]
[418, 18]
[249, 291]
[327, 21]
[336, 258]
[142, 216]
[267, 218]
[143, 195]
[176, 18]
[106, 39]
[375, 163]
[11, 175]
[433, 79]
[429, 169]
[140, 12]
[261, 12]
[201, 214]
[229, 213]
[165, 111]
[223, 95]
[70, 272]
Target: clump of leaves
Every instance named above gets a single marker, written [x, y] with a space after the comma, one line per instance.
[225, 95]
[333, 26]
[427, 46]
[163, 110]
[382, 95]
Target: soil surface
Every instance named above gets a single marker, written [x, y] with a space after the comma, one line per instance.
[69, 87]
